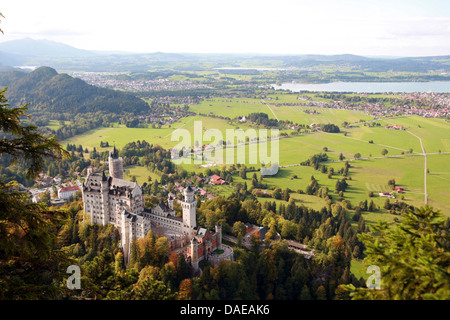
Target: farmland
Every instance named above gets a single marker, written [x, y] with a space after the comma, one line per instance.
[370, 173]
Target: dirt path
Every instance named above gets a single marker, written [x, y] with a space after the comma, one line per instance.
[425, 167]
[270, 109]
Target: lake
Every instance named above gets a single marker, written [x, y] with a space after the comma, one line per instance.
[368, 87]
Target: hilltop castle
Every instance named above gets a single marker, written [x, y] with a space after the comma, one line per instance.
[120, 202]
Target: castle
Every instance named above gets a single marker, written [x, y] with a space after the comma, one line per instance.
[121, 203]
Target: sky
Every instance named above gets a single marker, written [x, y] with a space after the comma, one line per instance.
[362, 27]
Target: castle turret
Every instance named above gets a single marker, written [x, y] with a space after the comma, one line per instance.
[104, 200]
[189, 210]
[170, 202]
[115, 164]
[194, 253]
[219, 236]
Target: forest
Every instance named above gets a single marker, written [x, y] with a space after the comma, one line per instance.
[265, 272]
[46, 91]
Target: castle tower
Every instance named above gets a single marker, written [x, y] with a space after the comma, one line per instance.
[189, 209]
[170, 202]
[194, 253]
[219, 236]
[115, 164]
[125, 235]
[104, 198]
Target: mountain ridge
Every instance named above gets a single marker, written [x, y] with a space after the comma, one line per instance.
[41, 48]
[64, 57]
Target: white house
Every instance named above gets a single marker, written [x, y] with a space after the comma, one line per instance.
[67, 192]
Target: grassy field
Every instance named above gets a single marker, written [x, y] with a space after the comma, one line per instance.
[120, 135]
[367, 174]
[435, 133]
[55, 124]
[297, 115]
[231, 108]
[141, 174]
[300, 199]
[438, 182]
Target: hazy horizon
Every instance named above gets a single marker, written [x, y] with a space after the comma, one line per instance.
[394, 28]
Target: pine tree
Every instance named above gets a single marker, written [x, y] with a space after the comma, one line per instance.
[27, 235]
[361, 225]
[372, 206]
[305, 294]
[321, 293]
[152, 289]
[413, 258]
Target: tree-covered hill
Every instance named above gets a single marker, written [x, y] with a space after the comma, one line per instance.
[46, 91]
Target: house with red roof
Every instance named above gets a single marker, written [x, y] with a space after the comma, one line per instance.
[66, 192]
[217, 180]
[399, 189]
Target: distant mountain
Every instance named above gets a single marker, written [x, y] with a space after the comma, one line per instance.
[41, 48]
[407, 64]
[49, 92]
[64, 57]
[10, 59]
[333, 58]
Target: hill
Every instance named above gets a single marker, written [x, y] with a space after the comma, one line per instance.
[47, 91]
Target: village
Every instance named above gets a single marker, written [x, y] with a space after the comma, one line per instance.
[425, 104]
[112, 80]
[53, 189]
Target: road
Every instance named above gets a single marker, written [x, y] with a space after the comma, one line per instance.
[425, 168]
[270, 109]
[425, 164]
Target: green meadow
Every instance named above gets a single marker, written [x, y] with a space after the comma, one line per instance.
[313, 202]
[55, 124]
[231, 108]
[366, 174]
[120, 135]
[140, 173]
[438, 182]
[297, 115]
[435, 133]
